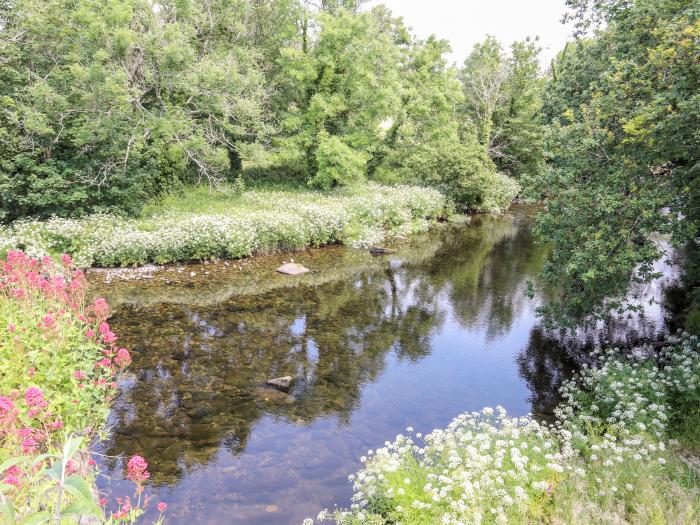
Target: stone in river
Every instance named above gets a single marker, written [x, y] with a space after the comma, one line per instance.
[283, 383]
[293, 269]
[380, 250]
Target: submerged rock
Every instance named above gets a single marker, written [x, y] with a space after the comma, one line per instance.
[381, 250]
[283, 383]
[272, 395]
[293, 268]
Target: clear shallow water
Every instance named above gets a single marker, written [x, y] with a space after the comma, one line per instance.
[376, 344]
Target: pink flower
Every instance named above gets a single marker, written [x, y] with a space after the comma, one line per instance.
[123, 358]
[56, 425]
[136, 470]
[104, 362]
[8, 411]
[28, 445]
[72, 467]
[66, 260]
[12, 480]
[101, 309]
[90, 333]
[162, 506]
[79, 375]
[19, 293]
[48, 320]
[102, 501]
[34, 396]
[11, 327]
[31, 371]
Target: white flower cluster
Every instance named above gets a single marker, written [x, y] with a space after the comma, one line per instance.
[261, 221]
[486, 467]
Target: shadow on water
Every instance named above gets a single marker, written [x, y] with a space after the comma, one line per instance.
[375, 344]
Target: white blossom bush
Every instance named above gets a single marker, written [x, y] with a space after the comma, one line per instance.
[609, 458]
[253, 222]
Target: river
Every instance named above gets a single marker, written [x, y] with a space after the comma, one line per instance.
[375, 344]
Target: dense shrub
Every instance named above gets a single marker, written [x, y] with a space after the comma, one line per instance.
[608, 459]
[60, 361]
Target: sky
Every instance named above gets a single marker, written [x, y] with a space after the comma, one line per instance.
[466, 22]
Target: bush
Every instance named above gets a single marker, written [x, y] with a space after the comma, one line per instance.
[460, 170]
[60, 362]
[608, 459]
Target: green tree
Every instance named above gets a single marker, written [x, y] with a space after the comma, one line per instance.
[109, 101]
[624, 144]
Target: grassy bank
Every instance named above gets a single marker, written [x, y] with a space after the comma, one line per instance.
[199, 224]
[59, 363]
[622, 451]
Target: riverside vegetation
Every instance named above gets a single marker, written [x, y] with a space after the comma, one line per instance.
[159, 135]
[60, 362]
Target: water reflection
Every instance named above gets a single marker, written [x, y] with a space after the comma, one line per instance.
[374, 345]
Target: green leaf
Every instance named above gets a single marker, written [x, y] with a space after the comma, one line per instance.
[12, 462]
[71, 447]
[36, 519]
[8, 510]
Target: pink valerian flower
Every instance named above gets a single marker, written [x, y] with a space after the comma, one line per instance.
[72, 467]
[136, 470]
[48, 320]
[79, 375]
[31, 371]
[123, 358]
[67, 260]
[162, 506]
[101, 309]
[55, 425]
[8, 411]
[106, 362]
[12, 327]
[28, 445]
[19, 293]
[90, 333]
[102, 502]
[34, 397]
[13, 476]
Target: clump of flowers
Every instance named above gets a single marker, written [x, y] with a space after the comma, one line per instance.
[609, 457]
[260, 221]
[60, 362]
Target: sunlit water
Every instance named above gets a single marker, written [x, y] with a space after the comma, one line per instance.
[375, 344]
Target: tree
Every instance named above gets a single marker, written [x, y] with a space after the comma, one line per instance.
[623, 108]
[339, 91]
[139, 99]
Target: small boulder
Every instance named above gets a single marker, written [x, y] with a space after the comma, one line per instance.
[283, 383]
[381, 250]
[293, 269]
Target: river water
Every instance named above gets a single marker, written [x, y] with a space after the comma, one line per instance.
[375, 344]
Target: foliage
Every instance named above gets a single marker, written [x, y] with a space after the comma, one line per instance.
[623, 107]
[199, 224]
[144, 98]
[502, 101]
[606, 460]
[60, 362]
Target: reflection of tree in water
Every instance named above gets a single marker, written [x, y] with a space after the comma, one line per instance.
[199, 369]
[487, 280]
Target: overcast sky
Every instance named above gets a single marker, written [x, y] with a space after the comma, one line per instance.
[465, 22]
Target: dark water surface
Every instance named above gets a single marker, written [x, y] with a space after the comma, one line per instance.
[376, 344]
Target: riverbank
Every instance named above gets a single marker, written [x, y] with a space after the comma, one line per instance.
[200, 224]
[60, 363]
[624, 450]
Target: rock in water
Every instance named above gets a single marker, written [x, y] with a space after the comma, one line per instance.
[283, 383]
[380, 250]
[293, 269]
